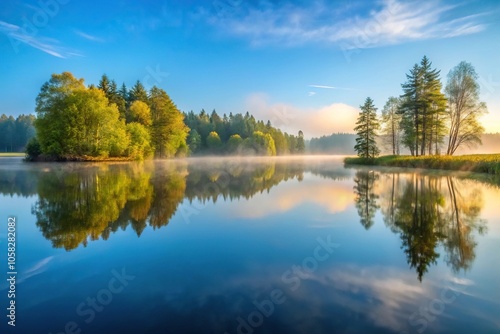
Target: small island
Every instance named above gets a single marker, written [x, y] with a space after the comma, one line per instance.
[76, 122]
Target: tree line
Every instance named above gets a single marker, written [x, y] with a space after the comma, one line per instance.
[238, 134]
[74, 121]
[336, 143]
[16, 132]
[425, 119]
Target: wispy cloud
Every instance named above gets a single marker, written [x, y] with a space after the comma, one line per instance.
[89, 37]
[36, 269]
[390, 22]
[329, 87]
[322, 86]
[51, 46]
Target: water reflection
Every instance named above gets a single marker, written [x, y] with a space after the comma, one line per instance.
[429, 211]
[81, 202]
[366, 199]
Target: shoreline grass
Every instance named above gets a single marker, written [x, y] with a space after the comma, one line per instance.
[12, 154]
[477, 163]
[79, 158]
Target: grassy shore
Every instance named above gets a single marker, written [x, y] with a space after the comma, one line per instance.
[478, 163]
[79, 158]
[12, 154]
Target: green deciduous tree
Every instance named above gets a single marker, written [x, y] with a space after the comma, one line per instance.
[366, 129]
[464, 107]
[234, 144]
[93, 126]
[168, 131]
[279, 141]
[391, 124]
[75, 120]
[214, 143]
[140, 141]
[139, 112]
[261, 144]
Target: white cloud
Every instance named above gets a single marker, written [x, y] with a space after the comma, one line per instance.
[322, 86]
[89, 37]
[337, 117]
[37, 268]
[329, 87]
[18, 35]
[392, 22]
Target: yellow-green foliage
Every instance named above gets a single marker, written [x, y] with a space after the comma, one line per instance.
[479, 163]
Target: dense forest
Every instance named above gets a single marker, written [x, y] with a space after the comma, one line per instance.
[75, 122]
[238, 134]
[15, 132]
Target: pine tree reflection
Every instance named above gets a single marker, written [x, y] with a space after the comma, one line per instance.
[428, 211]
[366, 199]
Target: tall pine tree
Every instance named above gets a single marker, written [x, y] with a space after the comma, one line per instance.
[423, 109]
[366, 129]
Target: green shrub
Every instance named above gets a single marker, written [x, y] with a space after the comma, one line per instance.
[33, 149]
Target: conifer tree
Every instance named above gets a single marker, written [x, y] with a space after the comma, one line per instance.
[366, 129]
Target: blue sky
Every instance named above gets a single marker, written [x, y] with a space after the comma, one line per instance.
[302, 64]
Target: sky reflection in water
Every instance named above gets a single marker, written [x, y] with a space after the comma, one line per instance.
[208, 240]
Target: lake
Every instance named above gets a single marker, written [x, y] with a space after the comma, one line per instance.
[255, 245]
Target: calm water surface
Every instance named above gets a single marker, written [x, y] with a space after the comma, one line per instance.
[297, 245]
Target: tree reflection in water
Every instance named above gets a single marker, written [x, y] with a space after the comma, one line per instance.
[366, 199]
[428, 211]
[78, 202]
[94, 201]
